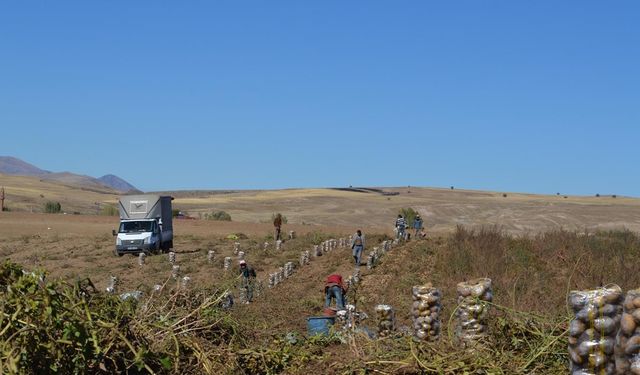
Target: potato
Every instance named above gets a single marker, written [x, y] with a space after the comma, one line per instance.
[627, 324]
[577, 300]
[607, 345]
[605, 325]
[633, 345]
[613, 295]
[629, 303]
[575, 357]
[576, 327]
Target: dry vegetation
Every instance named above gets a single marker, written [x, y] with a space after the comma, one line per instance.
[70, 325]
[531, 275]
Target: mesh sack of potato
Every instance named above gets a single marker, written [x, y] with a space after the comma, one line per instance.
[302, 260]
[280, 274]
[141, 259]
[272, 280]
[627, 350]
[472, 311]
[386, 320]
[592, 332]
[175, 271]
[288, 269]
[425, 311]
[371, 260]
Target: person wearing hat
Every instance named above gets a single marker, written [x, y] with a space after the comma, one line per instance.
[417, 225]
[334, 289]
[248, 279]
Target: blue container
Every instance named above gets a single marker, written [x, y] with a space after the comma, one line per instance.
[319, 325]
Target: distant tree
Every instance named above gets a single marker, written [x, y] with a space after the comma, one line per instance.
[52, 207]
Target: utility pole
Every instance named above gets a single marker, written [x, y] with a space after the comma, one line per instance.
[2, 199]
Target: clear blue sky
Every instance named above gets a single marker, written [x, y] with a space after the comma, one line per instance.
[537, 96]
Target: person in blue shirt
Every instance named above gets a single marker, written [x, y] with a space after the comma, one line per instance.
[417, 225]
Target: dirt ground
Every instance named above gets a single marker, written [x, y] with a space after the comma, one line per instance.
[79, 246]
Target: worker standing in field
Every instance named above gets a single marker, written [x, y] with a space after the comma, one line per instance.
[334, 289]
[277, 223]
[248, 280]
[401, 225]
[417, 225]
[357, 245]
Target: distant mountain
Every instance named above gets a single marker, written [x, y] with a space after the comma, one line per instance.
[15, 166]
[116, 183]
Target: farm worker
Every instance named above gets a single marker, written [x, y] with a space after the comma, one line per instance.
[277, 222]
[401, 224]
[248, 279]
[357, 245]
[417, 225]
[334, 288]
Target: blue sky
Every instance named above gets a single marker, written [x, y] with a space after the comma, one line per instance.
[501, 95]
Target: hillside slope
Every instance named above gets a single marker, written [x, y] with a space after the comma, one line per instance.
[15, 166]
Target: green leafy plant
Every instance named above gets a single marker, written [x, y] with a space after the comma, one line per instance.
[218, 215]
[52, 207]
[409, 215]
[109, 210]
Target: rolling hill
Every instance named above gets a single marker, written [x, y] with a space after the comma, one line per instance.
[442, 209]
[13, 166]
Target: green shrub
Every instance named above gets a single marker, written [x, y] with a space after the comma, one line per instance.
[52, 207]
[409, 215]
[109, 210]
[218, 215]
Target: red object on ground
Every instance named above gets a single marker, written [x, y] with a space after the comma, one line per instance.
[328, 311]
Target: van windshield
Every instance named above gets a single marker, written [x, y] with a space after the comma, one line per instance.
[137, 226]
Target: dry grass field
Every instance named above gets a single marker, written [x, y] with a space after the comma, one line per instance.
[442, 209]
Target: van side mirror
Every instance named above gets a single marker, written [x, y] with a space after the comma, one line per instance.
[113, 232]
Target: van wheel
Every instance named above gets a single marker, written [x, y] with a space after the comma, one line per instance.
[116, 252]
